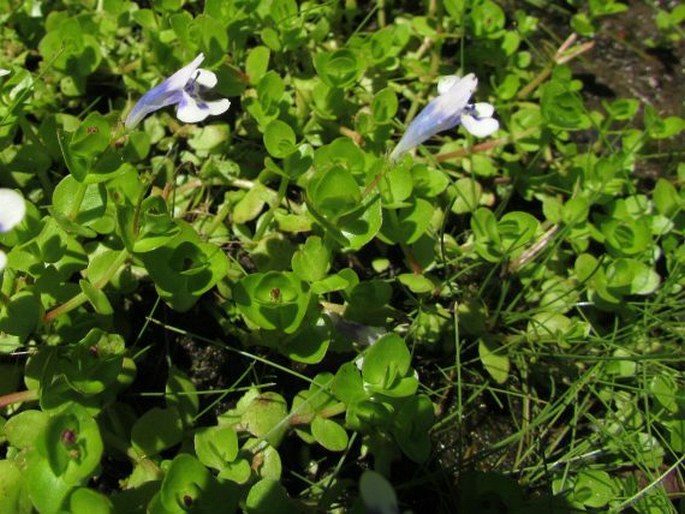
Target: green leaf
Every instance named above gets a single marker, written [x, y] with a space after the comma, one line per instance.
[21, 315]
[77, 206]
[563, 108]
[182, 395]
[257, 63]
[361, 226]
[377, 493]
[664, 388]
[495, 361]
[329, 434]
[412, 427]
[262, 415]
[279, 139]
[71, 444]
[334, 192]
[273, 300]
[594, 488]
[185, 268]
[266, 497]
[419, 284]
[96, 297]
[270, 92]
[468, 192]
[627, 236]
[216, 446]
[13, 490]
[408, 224]
[212, 37]
[267, 456]
[312, 261]
[310, 343]
[185, 485]
[386, 368]
[575, 211]
[487, 19]
[348, 386]
[156, 430]
[339, 69]
[23, 429]
[428, 182]
[48, 491]
[622, 109]
[88, 501]
[384, 105]
[396, 187]
[251, 205]
[666, 198]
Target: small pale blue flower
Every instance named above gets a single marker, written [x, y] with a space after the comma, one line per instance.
[12, 211]
[446, 111]
[183, 89]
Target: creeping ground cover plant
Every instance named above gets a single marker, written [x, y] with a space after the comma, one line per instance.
[270, 256]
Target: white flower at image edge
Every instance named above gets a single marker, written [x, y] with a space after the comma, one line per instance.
[183, 89]
[450, 108]
[12, 211]
[4, 72]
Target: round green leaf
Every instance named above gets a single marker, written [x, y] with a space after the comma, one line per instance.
[185, 484]
[71, 444]
[334, 192]
[156, 430]
[88, 501]
[329, 434]
[339, 69]
[311, 261]
[279, 139]
[216, 446]
[408, 224]
[384, 105]
[266, 497]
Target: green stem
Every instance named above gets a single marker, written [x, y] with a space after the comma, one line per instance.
[81, 298]
[218, 219]
[266, 220]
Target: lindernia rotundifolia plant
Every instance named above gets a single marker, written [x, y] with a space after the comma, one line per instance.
[450, 108]
[12, 211]
[183, 89]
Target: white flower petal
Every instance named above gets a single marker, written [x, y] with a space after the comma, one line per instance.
[194, 109]
[4, 72]
[3, 260]
[479, 127]
[462, 89]
[179, 79]
[12, 209]
[217, 107]
[190, 111]
[483, 110]
[205, 78]
[445, 83]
